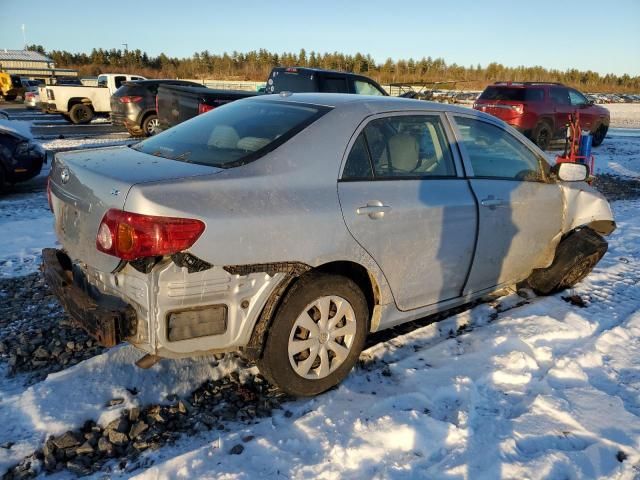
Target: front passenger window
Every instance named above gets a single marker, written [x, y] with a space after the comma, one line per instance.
[495, 153]
[365, 88]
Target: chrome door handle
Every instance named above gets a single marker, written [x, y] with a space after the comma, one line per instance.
[375, 209]
[492, 202]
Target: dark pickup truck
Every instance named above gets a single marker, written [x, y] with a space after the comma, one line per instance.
[175, 104]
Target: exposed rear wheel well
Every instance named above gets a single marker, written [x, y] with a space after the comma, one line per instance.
[359, 275]
[355, 272]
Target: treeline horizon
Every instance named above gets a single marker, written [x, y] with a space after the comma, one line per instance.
[256, 65]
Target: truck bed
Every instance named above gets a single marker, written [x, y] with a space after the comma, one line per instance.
[176, 104]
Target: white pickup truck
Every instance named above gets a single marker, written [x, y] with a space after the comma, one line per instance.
[80, 103]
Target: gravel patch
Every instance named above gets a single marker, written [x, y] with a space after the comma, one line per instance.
[36, 336]
[120, 445]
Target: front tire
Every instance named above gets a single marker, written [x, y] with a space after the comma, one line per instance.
[316, 335]
[575, 257]
[599, 135]
[542, 135]
[80, 114]
[2, 180]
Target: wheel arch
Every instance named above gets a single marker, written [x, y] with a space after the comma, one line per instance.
[145, 114]
[549, 121]
[355, 272]
[79, 100]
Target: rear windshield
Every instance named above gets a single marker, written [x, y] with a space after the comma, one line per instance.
[514, 94]
[234, 134]
[283, 81]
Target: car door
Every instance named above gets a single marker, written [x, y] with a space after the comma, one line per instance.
[580, 104]
[405, 201]
[562, 108]
[520, 208]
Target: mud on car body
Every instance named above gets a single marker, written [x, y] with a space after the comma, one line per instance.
[291, 226]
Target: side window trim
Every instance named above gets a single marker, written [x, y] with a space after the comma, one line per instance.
[466, 161]
[450, 138]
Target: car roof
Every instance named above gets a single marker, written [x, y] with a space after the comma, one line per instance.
[373, 103]
[159, 80]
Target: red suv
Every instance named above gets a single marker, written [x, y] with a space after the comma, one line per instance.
[541, 110]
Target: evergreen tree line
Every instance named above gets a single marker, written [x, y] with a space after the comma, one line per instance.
[256, 65]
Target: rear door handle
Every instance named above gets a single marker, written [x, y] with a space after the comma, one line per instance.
[375, 209]
[492, 202]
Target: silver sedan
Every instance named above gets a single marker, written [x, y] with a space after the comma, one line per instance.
[291, 226]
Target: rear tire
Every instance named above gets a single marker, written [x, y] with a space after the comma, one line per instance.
[2, 179]
[575, 257]
[599, 135]
[80, 114]
[151, 125]
[316, 308]
[10, 98]
[541, 135]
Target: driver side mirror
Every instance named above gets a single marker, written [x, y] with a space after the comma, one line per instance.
[570, 172]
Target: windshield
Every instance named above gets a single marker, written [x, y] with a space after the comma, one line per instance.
[234, 134]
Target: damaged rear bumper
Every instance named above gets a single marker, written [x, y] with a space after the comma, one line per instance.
[105, 318]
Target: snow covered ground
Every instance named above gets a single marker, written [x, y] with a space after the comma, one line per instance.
[537, 388]
[624, 115]
[544, 390]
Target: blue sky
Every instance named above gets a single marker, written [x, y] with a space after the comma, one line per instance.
[603, 36]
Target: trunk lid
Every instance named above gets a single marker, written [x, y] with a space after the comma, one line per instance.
[85, 184]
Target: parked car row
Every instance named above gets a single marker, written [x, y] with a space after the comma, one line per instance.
[614, 97]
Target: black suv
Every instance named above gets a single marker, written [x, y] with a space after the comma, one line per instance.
[303, 79]
[134, 105]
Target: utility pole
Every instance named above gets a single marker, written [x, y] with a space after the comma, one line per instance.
[24, 35]
[126, 46]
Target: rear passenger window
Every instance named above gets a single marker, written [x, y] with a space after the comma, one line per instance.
[334, 85]
[494, 153]
[409, 146]
[560, 95]
[358, 165]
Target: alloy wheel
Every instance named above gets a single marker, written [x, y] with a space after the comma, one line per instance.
[153, 126]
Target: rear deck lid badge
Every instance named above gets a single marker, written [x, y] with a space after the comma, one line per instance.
[65, 175]
[115, 192]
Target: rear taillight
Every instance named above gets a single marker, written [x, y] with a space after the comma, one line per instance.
[518, 108]
[204, 108]
[130, 99]
[49, 193]
[130, 236]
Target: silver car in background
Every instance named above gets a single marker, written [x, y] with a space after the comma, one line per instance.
[290, 226]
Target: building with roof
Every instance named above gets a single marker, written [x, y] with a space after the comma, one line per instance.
[33, 65]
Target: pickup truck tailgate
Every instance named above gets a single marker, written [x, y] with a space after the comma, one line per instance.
[176, 104]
